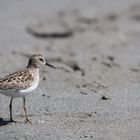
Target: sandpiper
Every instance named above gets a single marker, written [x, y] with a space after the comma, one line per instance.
[23, 82]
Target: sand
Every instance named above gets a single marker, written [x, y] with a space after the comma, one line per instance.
[95, 92]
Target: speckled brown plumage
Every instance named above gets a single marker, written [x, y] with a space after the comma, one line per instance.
[22, 82]
[20, 79]
[25, 78]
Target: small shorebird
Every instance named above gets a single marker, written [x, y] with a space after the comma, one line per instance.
[22, 82]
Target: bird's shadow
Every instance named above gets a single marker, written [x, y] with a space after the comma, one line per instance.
[4, 122]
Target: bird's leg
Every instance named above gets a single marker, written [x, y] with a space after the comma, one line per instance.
[10, 108]
[24, 107]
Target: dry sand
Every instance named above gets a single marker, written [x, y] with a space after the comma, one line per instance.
[95, 92]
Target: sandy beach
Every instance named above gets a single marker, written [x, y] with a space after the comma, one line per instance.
[95, 92]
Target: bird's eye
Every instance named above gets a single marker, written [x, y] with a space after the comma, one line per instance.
[41, 59]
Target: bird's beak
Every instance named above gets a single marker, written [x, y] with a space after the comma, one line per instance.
[50, 65]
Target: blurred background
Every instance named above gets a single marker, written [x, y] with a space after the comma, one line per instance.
[94, 93]
[72, 26]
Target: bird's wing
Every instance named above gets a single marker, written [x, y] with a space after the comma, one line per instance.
[18, 80]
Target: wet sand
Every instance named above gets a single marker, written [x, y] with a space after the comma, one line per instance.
[95, 92]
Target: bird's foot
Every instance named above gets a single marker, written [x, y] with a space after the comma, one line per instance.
[12, 121]
[28, 121]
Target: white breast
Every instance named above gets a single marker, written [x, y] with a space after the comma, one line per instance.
[19, 93]
[23, 92]
[30, 89]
